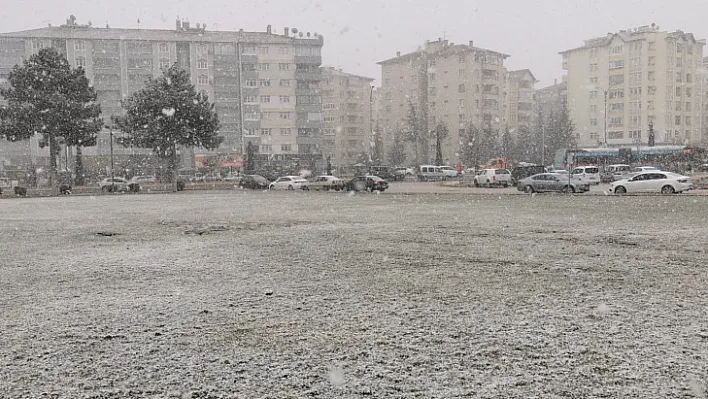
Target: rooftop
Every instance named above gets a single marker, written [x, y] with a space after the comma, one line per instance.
[639, 33]
[334, 71]
[183, 32]
[520, 74]
[441, 47]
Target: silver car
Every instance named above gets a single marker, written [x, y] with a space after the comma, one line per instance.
[544, 182]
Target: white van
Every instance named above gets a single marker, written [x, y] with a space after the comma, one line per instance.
[588, 174]
[430, 173]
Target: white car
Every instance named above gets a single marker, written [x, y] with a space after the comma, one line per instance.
[289, 183]
[143, 179]
[640, 169]
[450, 172]
[326, 182]
[490, 177]
[652, 182]
[589, 174]
[117, 184]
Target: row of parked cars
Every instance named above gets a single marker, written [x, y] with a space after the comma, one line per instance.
[324, 182]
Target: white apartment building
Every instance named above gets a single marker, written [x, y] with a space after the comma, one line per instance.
[619, 83]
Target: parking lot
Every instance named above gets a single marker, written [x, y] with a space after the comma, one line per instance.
[254, 294]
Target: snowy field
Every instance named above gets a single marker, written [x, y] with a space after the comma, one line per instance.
[296, 295]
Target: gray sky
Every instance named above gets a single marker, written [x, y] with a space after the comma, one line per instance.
[358, 33]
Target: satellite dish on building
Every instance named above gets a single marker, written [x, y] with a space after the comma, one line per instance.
[308, 34]
[300, 34]
[294, 30]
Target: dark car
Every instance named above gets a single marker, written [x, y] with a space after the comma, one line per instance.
[522, 172]
[366, 183]
[255, 182]
[384, 172]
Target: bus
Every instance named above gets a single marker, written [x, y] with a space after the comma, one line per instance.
[670, 157]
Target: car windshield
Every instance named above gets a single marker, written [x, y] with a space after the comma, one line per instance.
[208, 199]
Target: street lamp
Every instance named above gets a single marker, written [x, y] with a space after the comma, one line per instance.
[110, 130]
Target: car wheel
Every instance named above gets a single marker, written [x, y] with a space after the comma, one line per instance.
[667, 190]
[476, 183]
[505, 185]
[620, 190]
[528, 190]
[105, 188]
[290, 188]
[271, 187]
[305, 188]
[567, 189]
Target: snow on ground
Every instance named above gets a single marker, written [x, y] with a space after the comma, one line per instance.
[292, 295]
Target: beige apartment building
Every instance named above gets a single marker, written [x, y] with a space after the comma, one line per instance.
[619, 83]
[347, 124]
[265, 85]
[519, 100]
[445, 82]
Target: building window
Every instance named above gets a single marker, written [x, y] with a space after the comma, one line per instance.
[651, 61]
[593, 67]
[461, 59]
[286, 147]
[593, 81]
[37, 45]
[617, 64]
[593, 122]
[284, 83]
[283, 50]
[284, 99]
[461, 88]
[461, 73]
[678, 105]
[678, 92]
[593, 94]
[266, 116]
[265, 132]
[79, 45]
[201, 48]
[249, 50]
[164, 63]
[687, 121]
[266, 148]
[283, 67]
[80, 61]
[264, 82]
[251, 116]
[688, 92]
[265, 99]
[688, 107]
[679, 77]
[164, 48]
[285, 131]
[679, 62]
[203, 79]
[264, 67]
[677, 120]
[202, 64]
[616, 49]
[285, 115]
[251, 83]
[263, 50]
[431, 63]
[249, 99]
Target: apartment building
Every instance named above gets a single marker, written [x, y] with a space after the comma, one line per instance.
[704, 108]
[264, 84]
[520, 99]
[346, 106]
[619, 83]
[454, 84]
[550, 99]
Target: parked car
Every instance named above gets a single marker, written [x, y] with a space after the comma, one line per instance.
[640, 169]
[545, 182]
[430, 173]
[589, 174]
[254, 182]
[327, 182]
[366, 183]
[450, 172]
[493, 177]
[385, 172]
[525, 170]
[232, 177]
[614, 173]
[652, 182]
[289, 183]
[143, 179]
[401, 173]
[576, 179]
[118, 184]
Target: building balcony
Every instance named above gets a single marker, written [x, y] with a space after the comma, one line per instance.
[308, 59]
[312, 76]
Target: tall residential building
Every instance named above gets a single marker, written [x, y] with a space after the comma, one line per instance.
[347, 107]
[551, 98]
[619, 83]
[454, 84]
[704, 108]
[520, 99]
[264, 84]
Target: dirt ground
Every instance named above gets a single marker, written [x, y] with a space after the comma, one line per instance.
[294, 295]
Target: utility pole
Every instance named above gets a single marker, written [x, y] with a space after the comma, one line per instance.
[605, 116]
[113, 184]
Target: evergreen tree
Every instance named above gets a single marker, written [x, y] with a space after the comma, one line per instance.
[250, 166]
[560, 133]
[378, 153]
[441, 132]
[471, 144]
[488, 143]
[397, 154]
[168, 113]
[507, 144]
[47, 97]
[416, 134]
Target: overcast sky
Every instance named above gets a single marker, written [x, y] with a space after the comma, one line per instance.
[359, 33]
